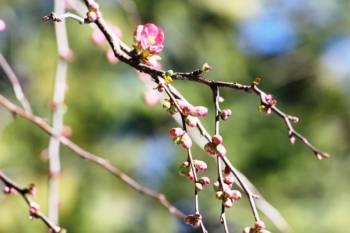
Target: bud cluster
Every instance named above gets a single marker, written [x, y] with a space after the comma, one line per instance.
[190, 111]
[215, 147]
[267, 103]
[185, 170]
[259, 227]
[225, 192]
[94, 12]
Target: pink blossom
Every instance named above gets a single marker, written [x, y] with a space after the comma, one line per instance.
[204, 181]
[2, 25]
[236, 195]
[225, 114]
[149, 38]
[111, 58]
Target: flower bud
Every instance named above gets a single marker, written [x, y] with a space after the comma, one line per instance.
[199, 187]
[32, 190]
[219, 195]
[94, 6]
[236, 195]
[200, 165]
[200, 111]
[33, 208]
[216, 185]
[209, 148]
[91, 16]
[206, 67]
[259, 225]
[225, 114]
[186, 141]
[188, 110]
[221, 150]
[229, 180]
[228, 203]
[176, 132]
[204, 181]
[191, 121]
[160, 87]
[217, 139]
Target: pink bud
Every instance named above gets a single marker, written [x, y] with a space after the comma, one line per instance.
[160, 87]
[229, 180]
[188, 110]
[259, 225]
[209, 148]
[225, 114]
[191, 121]
[186, 141]
[228, 203]
[236, 195]
[176, 132]
[9, 190]
[200, 165]
[111, 58]
[200, 111]
[217, 139]
[199, 187]
[204, 181]
[2, 25]
[91, 16]
[33, 208]
[221, 150]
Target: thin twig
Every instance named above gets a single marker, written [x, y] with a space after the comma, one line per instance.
[15, 84]
[103, 163]
[25, 194]
[58, 109]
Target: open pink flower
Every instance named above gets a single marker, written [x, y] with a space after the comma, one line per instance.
[149, 39]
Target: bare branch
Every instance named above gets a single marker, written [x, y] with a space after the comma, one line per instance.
[26, 193]
[103, 163]
[15, 84]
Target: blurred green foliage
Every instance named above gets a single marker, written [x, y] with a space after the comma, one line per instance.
[108, 116]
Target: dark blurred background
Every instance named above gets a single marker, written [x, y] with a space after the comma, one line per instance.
[300, 48]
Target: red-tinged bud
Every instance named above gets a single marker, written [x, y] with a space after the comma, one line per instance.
[91, 16]
[236, 195]
[191, 121]
[188, 110]
[194, 219]
[190, 176]
[199, 187]
[229, 180]
[227, 170]
[186, 141]
[228, 203]
[200, 165]
[200, 111]
[216, 185]
[161, 87]
[225, 114]
[94, 6]
[209, 148]
[33, 208]
[269, 100]
[259, 225]
[228, 193]
[217, 139]
[176, 132]
[205, 181]
[221, 150]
